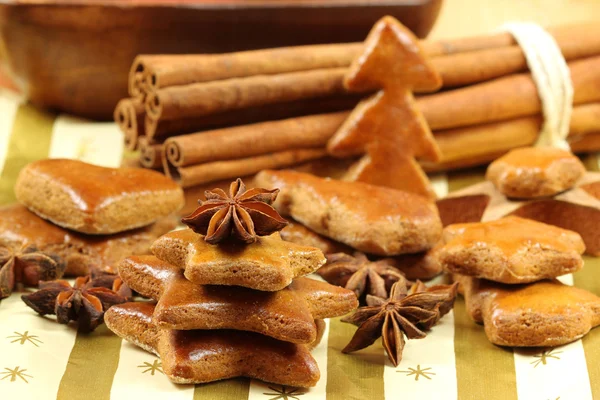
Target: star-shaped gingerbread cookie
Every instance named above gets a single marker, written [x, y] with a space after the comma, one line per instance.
[540, 314]
[387, 128]
[287, 314]
[201, 356]
[268, 264]
[510, 250]
[577, 209]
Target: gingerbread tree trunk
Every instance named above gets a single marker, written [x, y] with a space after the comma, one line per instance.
[387, 128]
[231, 290]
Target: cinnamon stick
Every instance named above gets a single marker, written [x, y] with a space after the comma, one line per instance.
[314, 131]
[253, 140]
[150, 154]
[161, 129]
[505, 98]
[129, 116]
[201, 99]
[186, 69]
[585, 119]
[586, 143]
[136, 81]
[467, 146]
[218, 170]
[160, 71]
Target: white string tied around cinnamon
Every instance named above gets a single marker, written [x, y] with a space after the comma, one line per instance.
[552, 78]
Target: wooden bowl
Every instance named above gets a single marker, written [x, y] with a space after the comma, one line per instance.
[74, 55]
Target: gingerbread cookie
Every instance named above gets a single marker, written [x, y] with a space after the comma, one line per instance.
[287, 315]
[387, 129]
[531, 172]
[540, 314]
[510, 250]
[96, 200]
[268, 264]
[82, 254]
[371, 219]
[299, 234]
[577, 209]
[422, 266]
[201, 356]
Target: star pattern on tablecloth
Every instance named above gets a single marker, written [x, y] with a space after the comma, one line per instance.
[417, 372]
[285, 393]
[15, 373]
[542, 359]
[156, 366]
[25, 337]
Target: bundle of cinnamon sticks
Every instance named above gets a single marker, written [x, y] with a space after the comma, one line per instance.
[204, 118]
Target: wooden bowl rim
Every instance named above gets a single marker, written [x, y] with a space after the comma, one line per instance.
[219, 4]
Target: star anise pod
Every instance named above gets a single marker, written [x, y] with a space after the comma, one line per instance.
[360, 275]
[84, 302]
[28, 266]
[409, 313]
[241, 214]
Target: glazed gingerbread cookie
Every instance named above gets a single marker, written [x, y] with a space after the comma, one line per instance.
[297, 233]
[83, 254]
[510, 250]
[224, 353]
[372, 219]
[268, 264]
[540, 314]
[531, 172]
[95, 200]
[287, 314]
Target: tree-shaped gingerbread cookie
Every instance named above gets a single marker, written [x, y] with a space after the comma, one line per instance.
[387, 129]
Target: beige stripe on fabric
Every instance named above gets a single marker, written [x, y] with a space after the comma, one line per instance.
[589, 278]
[483, 370]
[9, 104]
[92, 366]
[37, 345]
[237, 388]
[353, 376]
[29, 141]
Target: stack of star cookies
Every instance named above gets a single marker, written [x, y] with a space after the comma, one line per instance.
[508, 268]
[86, 216]
[230, 296]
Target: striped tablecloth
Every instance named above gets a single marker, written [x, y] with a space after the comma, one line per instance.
[40, 359]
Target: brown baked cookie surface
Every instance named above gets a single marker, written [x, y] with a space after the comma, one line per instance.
[368, 218]
[530, 172]
[422, 266]
[96, 200]
[540, 314]
[268, 264]
[82, 254]
[287, 315]
[299, 234]
[510, 250]
[201, 356]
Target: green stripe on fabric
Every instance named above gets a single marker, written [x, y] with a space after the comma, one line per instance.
[591, 162]
[237, 388]
[483, 370]
[461, 179]
[29, 141]
[353, 376]
[92, 366]
[589, 279]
